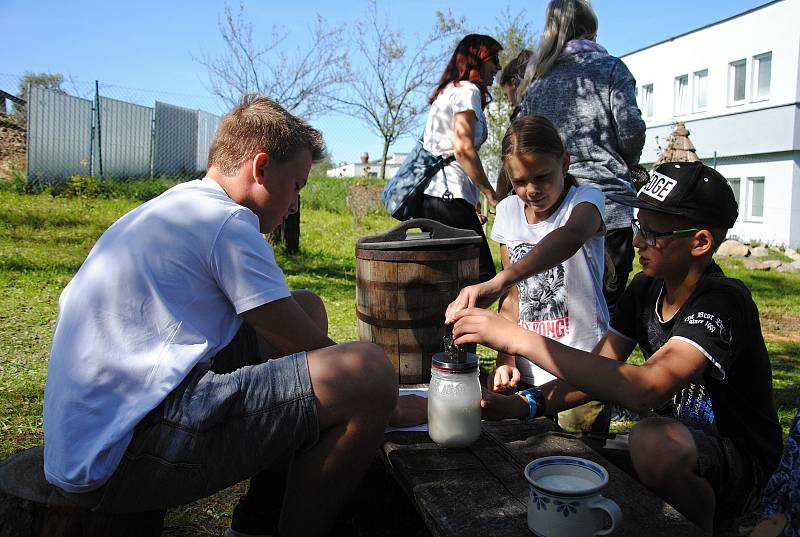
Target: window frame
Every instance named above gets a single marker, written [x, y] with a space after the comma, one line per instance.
[647, 107]
[676, 96]
[732, 101]
[756, 73]
[737, 194]
[751, 181]
[695, 77]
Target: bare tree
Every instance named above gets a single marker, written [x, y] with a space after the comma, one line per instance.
[386, 87]
[300, 82]
[514, 32]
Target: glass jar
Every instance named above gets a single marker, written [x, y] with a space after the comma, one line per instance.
[454, 401]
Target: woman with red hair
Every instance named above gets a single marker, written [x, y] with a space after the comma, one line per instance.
[456, 126]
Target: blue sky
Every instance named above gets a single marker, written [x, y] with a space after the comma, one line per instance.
[148, 45]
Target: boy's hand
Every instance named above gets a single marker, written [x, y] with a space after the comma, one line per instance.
[480, 295]
[497, 406]
[506, 377]
[475, 325]
[410, 410]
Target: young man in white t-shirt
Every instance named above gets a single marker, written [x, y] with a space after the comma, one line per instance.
[159, 387]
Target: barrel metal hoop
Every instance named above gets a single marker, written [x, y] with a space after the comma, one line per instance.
[400, 323]
[412, 285]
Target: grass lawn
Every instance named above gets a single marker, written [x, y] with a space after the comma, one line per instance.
[44, 239]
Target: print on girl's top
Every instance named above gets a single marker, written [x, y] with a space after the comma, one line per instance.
[564, 303]
[542, 297]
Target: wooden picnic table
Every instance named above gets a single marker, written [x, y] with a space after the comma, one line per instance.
[480, 491]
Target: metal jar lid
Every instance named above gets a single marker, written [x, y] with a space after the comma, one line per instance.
[443, 361]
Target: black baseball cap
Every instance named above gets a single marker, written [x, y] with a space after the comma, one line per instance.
[689, 189]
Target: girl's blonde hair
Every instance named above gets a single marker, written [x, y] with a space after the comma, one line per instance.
[566, 20]
[534, 134]
[537, 134]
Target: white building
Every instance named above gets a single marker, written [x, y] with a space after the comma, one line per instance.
[736, 85]
[369, 168]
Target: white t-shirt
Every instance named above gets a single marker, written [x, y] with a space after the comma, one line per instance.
[566, 302]
[160, 292]
[438, 139]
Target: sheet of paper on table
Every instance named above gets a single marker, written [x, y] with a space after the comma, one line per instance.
[422, 392]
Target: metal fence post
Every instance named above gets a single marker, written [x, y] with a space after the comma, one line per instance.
[99, 128]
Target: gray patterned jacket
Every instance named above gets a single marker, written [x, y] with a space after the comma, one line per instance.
[591, 98]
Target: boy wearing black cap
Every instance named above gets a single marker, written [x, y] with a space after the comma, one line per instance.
[716, 437]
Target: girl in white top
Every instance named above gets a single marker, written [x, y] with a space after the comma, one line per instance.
[456, 126]
[551, 235]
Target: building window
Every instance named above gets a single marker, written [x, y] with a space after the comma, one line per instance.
[755, 196]
[700, 90]
[681, 95]
[762, 72]
[737, 81]
[736, 185]
[647, 100]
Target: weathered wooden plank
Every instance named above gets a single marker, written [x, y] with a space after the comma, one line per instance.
[481, 490]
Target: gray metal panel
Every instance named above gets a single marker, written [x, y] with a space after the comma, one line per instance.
[59, 135]
[175, 143]
[207, 125]
[768, 130]
[125, 137]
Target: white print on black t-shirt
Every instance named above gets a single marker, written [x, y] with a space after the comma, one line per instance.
[542, 298]
[713, 324]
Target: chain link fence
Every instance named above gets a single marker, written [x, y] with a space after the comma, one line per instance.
[103, 130]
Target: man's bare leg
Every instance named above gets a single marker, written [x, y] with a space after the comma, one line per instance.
[356, 390]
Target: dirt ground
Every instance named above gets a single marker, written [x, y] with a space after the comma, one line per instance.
[12, 146]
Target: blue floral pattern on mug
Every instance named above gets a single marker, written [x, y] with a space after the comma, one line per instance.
[566, 508]
[539, 501]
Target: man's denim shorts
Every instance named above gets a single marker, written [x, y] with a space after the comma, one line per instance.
[227, 421]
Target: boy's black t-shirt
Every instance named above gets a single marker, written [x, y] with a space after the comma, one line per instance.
[721, 320]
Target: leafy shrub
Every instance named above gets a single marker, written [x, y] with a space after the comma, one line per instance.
[331, 193]
[137, 189]
[80, 186]
[364, 199]
[84, 186]
[326, 194]
[321, 193]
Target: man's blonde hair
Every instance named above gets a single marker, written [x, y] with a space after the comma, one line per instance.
[260, 125]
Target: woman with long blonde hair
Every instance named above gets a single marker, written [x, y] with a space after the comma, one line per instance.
[590, 95]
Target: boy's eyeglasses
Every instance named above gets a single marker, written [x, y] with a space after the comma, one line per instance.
[650, 237]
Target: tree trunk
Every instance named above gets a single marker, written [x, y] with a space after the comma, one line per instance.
[32, 507]
[291, 232]
[288, 233]
[385, 156]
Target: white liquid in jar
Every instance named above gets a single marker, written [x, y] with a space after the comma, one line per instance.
[454, 422]
[565, 483]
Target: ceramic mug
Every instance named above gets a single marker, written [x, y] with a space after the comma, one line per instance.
[564, 498]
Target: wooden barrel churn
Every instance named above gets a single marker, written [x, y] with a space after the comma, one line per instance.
[404, 282]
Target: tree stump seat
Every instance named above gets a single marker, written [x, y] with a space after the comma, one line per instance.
[32, 507]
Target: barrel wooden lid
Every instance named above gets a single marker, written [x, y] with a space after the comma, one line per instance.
[434, 235]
